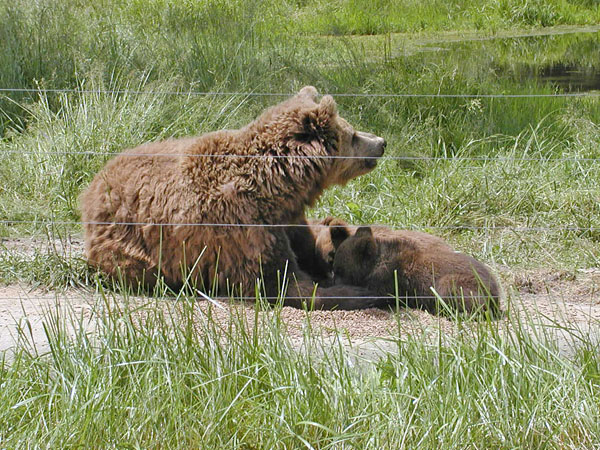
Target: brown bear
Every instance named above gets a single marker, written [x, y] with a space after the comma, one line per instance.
[374, 257]
[213, 210]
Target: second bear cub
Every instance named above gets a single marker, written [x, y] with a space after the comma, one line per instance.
[423, 265]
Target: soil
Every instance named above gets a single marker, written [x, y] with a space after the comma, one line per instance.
[555, 301]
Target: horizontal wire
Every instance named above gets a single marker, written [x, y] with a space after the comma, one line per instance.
[381, 158]
[372, 297]
[296, 225]
[225, 300]
[283, 94]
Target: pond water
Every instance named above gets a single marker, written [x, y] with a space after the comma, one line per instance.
[575, 67]
[570, 77]
[570, 61]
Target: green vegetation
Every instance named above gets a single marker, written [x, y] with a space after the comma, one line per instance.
[164, 375]
[381, 16]
[511, 180]
[542, 151]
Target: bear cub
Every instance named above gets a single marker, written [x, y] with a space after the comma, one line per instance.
[374, 257]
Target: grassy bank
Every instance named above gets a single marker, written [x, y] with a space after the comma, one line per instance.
[164, 375]
[226, 45]
[379, 17]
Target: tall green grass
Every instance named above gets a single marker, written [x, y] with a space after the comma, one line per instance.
[221, 45]
[46, 167]
[382, 16]
[206, 46]
[167, 375]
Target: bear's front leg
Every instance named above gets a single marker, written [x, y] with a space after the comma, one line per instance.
[302, 243]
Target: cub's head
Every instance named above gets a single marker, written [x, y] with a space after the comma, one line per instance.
[355, 257]
[351, 252]
[329, 234]
[314, 127]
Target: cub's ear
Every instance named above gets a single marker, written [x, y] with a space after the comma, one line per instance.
[366, 246]
[333, 220]
[327, 220]
[364, 231]
[309, 92]
[339, 232]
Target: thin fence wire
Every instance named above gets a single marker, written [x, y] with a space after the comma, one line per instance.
[288, 94]
[224, 299]
[269, 156]
[281, 94]
[590, 229]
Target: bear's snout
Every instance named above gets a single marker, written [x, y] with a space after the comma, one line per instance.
[373, 148]
[369, 144]
[381, 145]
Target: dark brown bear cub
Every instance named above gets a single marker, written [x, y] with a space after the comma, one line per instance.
[424, 265]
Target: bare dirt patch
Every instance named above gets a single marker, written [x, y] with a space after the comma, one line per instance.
[71, 245]
[554, 299]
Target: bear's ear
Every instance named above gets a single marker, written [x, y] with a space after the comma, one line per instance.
[339, 232]
[328, 107]
[318, 121]
[364, 231]
[366, 247]
[308, 92]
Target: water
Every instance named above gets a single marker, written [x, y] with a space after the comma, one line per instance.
[569, 62]
[576, 70]
[568, 77]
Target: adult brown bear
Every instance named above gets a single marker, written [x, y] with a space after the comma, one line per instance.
[214, 208]
[378, 257]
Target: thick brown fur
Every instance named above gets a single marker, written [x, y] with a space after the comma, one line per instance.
[284, 164]
[374, 257]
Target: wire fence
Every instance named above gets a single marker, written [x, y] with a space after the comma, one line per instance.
[497, 159]
[289, 94]
[289, 297]
[519, 229]
[283, 94]
[326, 157]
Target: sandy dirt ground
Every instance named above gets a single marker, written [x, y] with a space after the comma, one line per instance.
[553, 300]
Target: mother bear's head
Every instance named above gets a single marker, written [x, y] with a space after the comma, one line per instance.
[314, 129]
